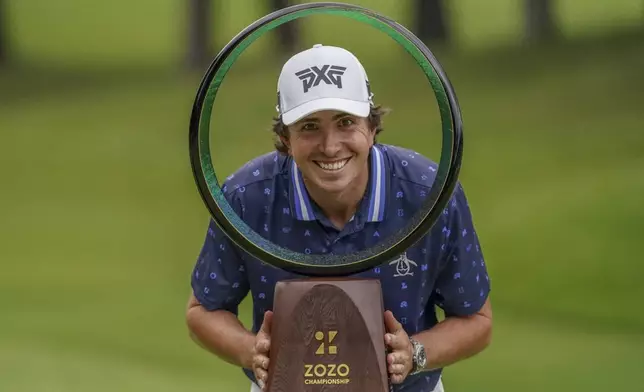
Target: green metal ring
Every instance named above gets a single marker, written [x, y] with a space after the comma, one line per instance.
[324, 265]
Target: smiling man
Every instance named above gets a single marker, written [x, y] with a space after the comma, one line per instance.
[330, 187]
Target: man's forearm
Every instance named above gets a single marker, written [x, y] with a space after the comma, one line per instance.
[455, 339]
[221, 333]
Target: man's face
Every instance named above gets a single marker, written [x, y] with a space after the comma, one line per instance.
[331, 149]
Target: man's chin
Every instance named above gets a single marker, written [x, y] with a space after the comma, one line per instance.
[336, 185]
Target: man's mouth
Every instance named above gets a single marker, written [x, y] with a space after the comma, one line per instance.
[334, 165]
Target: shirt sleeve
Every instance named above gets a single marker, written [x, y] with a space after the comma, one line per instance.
[219, 279]
[463, 284]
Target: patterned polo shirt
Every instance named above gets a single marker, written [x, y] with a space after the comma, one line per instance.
[445, 268]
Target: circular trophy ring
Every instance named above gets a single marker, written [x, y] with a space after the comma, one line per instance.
[327, 264]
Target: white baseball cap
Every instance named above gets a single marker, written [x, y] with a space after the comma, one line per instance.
[322, 78]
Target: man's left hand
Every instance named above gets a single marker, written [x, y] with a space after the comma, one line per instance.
[399, 360]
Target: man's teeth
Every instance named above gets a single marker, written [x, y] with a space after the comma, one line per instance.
[333, 166]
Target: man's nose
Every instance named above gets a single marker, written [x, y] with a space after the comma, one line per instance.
[331, 143]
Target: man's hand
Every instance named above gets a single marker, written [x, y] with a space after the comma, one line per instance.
[399, 360]
[261, 350]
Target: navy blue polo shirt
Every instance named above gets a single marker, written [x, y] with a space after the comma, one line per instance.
[445, 268]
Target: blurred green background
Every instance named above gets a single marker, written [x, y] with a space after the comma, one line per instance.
[101, 222]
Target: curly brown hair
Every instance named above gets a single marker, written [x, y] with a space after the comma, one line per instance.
[375, 120]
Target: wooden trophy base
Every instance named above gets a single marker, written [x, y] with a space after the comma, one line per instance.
[328, 335]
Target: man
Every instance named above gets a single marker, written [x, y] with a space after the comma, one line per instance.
[330, 187]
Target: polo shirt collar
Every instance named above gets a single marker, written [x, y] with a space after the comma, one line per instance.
[376, 189]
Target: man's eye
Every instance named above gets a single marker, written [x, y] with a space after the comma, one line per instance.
[345, 122]
[309, 127]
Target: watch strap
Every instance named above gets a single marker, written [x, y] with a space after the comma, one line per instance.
[418, 357]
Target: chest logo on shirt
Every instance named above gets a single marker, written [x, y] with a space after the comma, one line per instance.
[403, 265]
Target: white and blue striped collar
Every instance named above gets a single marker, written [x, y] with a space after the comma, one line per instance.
[377, 190]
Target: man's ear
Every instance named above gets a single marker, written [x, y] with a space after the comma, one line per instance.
[372, 135]
[285, 142]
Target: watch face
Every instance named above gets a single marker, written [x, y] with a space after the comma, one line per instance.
[420, 358]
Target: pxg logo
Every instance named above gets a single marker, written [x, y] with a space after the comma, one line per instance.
[329, 74]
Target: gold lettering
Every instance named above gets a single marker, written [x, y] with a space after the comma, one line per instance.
[343, 370]
[327, 381]
[331, 372]
[319, 370]
[326, 374]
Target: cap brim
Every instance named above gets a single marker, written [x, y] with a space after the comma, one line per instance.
[357, 108]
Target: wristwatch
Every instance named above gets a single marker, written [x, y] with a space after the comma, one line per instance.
[419, 357]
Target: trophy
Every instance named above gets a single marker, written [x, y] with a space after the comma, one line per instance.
[328, 330]
[328, 333]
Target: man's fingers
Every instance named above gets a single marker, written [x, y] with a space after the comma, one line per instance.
[397, 357]
[391, 324]
[266, 324]
[396, 369]
[261, 362]
[263, 342]
[396, 378]
[396, 342]
[262, 346]
[261, 376]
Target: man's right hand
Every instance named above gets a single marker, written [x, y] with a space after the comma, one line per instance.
[261, 350]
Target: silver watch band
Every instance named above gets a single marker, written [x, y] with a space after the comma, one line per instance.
[418, 357]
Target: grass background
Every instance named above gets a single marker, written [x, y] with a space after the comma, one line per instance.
[101, 222]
